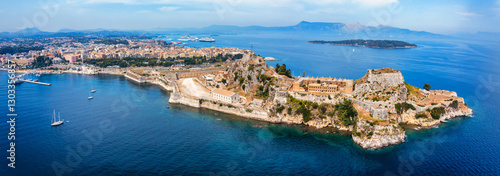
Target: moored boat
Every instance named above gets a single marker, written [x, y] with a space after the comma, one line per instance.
[206, 39]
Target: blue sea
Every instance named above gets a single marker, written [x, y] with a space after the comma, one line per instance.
[126, 129]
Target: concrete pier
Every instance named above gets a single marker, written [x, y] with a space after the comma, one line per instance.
[41, 83]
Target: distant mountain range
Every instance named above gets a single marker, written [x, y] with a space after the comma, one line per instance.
[345, 30]
[341, 29]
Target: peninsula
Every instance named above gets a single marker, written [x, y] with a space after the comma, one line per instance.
[375, 109]
[383, 44]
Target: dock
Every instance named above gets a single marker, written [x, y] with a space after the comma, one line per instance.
[34, 82]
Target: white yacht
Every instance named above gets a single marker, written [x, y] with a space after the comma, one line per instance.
[93, 90]
[188, 38]
[59, 122]
[206, 39]
[91, 97]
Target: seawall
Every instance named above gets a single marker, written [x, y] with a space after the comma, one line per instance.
[256, 114]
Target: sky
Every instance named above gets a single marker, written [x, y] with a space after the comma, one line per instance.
[437, 16]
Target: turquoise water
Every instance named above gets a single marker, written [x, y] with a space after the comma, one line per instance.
[141, 137]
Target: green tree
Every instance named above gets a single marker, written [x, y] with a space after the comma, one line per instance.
[42, 61]
[323, 108]
[427, 87]
[306, 113]
[346, 112]
[282, 68]
[454, 104]
[437, 112]
[403, 107]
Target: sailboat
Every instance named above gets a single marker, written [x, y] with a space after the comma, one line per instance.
[93, 90]
[57, 123]
[90, 97]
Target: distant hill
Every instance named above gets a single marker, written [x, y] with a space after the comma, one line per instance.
[28, 32]
[340, 29]
[382, 44]
[348, 30]
[87, 30]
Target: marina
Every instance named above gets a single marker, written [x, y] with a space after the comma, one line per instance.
[18, 81]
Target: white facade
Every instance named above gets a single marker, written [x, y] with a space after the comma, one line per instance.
[225, 96]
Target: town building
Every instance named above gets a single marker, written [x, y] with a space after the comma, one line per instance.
[193, 74]
[70, 57]
[323, 85]
[225, 95]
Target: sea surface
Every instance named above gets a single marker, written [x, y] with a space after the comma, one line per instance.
[127, 129]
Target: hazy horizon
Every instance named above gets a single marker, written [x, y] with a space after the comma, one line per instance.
[441, 17]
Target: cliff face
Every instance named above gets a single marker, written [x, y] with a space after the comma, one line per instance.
[177, 98]
[450, 112]
[257, 114]
[370, 136]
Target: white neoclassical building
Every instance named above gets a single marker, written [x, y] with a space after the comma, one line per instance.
[225, 95]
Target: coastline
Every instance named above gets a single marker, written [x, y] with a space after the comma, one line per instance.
[380, 135]
[366, 133]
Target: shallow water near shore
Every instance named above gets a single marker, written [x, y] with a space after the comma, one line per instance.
[142, 137]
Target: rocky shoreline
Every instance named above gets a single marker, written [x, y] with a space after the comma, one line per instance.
[377, 124]
[383, 136]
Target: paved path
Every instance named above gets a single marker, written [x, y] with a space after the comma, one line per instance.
[193, 88]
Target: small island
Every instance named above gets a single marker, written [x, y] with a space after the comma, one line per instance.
[382, 44]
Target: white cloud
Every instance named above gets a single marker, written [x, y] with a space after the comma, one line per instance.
[234, 3]
[143, 12]
[469, 14]
[496, 11]
[168, 8]
[375, 3]
[136, 2]
[363, 3]
[82, 11]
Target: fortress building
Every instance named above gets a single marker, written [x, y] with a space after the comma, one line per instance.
[323, 85]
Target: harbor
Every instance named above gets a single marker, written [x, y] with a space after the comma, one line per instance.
[19, 80]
